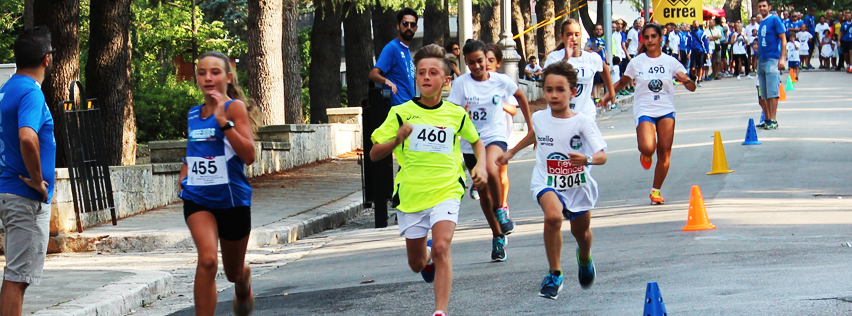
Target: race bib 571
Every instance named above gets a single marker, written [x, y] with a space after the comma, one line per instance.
[562, 176]
[433, 139]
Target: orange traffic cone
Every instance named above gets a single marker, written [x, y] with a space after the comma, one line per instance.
[793, 76]
[698, 219]
[783, 96]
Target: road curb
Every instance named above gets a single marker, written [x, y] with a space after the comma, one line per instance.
[117, 298]
[287, 230]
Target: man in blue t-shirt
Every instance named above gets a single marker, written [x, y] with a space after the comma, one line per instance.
[27, 163]
[846, 41]
[596, 43]
[394, 68]
[771, 56]
[699, 47]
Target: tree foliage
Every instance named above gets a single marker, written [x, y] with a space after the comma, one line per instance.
[11, 24]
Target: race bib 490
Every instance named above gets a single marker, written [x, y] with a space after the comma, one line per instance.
[433, 139]
[206, 170]
[562, 176]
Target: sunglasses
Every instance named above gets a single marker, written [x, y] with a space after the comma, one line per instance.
[50, 52]
[409, 24]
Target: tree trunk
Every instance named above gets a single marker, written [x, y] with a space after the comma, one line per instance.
[359, 50]
[384, 28]
[436, 20]
[447, 37]
[490, 22]
[561, 7]
[518, 28]
[546, 35]
[476, 13]
[529, 38]
[108, 77]
[325, 59]
[28, 14]
[733, 10]
[588, 24]
[62, 18]
[266, 72]
[292, 64]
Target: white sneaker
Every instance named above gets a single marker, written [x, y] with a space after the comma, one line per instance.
[749, 77]
[739, 78]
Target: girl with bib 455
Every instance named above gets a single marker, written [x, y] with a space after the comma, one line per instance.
[215, 190]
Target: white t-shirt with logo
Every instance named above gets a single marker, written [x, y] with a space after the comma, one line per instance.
[633, 37]
[792, 51]
[674, 42]
[484, 103]
[587, 65]
[804, 47]
[739, 47]
[556, 138]
[655, 89]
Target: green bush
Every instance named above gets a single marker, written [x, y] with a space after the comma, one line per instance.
[161, 109]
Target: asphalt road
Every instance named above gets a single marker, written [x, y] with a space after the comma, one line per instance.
[783, 217]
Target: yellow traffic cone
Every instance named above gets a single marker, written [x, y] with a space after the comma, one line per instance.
[720, 163]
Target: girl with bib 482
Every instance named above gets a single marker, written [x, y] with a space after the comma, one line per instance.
[653, 106]
[214, 187]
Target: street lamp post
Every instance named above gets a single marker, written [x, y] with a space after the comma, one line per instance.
[510, 56]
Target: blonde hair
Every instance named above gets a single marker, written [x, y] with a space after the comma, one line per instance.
[234, 91]
[433, 51]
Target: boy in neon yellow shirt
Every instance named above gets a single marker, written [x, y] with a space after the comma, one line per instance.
[430, 184]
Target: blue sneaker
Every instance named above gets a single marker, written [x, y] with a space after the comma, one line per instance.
[507, 225]
[551, 285]
[587, 274]
[428, 272]
[498, 249]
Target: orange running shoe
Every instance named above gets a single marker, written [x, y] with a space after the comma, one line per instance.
[656, 198]
[646, 161]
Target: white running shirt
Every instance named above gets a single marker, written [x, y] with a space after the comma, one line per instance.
[556, 138]
[654, 85]
[484, 103]
[674, 42]
[804, 47]
[633, 37]
[792, 51]
[587, 65]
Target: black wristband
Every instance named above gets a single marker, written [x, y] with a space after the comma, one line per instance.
[227, 126]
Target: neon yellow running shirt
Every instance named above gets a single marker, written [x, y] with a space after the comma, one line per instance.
[432, 170]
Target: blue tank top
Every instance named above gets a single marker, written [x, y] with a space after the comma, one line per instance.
[215, 174]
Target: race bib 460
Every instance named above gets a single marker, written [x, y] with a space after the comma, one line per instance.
[206, 170]
[433, 139]
[562, 176]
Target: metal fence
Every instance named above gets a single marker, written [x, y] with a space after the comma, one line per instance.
[85, 152]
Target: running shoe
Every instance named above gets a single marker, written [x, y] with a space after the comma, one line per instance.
[440, 313]
[474, 194]
[656, 197]
[498, 249]
[749, 77]
[507, 225]
[699, 83]
[428, 272]
[739, 77]
[244, 307]
[587, 273]
[645, 161]
[760, 125]
[773, 124]
[551, 285]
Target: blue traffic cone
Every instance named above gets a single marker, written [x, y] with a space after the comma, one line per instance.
[762, 116]
[751, 134]
[654, 301]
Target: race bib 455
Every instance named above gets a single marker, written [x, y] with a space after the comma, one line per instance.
[206, 170]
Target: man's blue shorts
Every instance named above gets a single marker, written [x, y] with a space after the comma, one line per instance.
[793, 64]
[565, 212]
[654, 120]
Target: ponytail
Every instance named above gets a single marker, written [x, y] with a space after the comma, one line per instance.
[234, 91]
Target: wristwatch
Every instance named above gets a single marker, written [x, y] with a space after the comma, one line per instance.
[228, 125]
[589, 160]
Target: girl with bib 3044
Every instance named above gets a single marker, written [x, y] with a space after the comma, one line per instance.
[214, 187]
[653, 106]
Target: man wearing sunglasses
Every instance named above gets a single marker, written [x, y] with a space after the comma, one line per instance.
[27, 162]
[394, 69]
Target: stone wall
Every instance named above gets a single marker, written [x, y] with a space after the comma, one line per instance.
[139, 188]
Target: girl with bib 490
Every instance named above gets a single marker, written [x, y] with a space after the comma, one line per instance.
[214, 187]
[653, 106]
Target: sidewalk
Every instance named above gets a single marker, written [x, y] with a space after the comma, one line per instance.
[150, 256]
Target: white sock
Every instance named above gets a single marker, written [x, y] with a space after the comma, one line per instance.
[652, 189]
